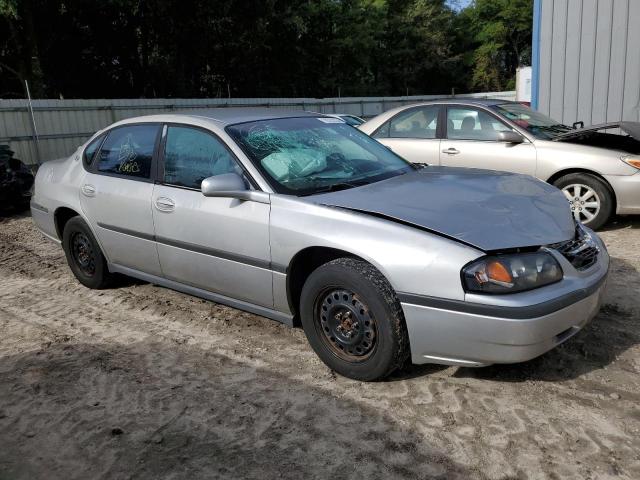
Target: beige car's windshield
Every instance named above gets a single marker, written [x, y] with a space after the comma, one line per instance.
[309, 155]
[534, 122]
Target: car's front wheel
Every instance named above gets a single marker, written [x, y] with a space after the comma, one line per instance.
[590, 199]
[84, 255]
[353, 320]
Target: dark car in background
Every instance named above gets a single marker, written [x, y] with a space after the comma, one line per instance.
[16, 181]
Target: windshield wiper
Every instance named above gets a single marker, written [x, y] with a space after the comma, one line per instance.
[558, 128]
[335, 187]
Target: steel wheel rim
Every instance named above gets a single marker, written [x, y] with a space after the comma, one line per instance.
[83, 254]
[346, 325]
[583, 200]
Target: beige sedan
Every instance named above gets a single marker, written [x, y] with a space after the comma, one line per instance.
[597, 168]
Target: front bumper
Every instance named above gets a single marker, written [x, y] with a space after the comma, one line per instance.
[627, 190]
[504, 329]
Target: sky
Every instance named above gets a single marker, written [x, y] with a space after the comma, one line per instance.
[458, 4]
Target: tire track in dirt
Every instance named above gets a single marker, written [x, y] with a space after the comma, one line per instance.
[131, 346]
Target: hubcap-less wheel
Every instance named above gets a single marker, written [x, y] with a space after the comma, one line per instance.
[347, 326]
[583, 200]
[83, 253]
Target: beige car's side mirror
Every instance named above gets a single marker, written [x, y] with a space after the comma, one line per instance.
[510, 137]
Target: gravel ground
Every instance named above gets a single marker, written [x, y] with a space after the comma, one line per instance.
[142, 382]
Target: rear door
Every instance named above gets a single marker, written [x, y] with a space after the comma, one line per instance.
[116, 194]
[413, 134]
[472, 141]
[217, 244]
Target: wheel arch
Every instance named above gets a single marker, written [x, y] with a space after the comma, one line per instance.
[304, 263]
[551, 180]
[61, 216]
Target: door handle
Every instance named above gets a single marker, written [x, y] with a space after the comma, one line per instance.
[451, 151]
[165, 204]
[89, 190]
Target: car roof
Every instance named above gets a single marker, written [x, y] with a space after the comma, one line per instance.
[468, 101]
[225, 116]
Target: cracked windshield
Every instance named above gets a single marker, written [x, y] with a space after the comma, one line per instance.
[303, 156]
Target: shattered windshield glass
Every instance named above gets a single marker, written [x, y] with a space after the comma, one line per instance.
[536, 123]
[308, 155]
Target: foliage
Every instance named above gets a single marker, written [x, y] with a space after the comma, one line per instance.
[261, 48]
[501, 31]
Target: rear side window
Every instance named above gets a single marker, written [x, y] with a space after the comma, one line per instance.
[90, 151]
[128, 151]
[191, 155]
[421, 122]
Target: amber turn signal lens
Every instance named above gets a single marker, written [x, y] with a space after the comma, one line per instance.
[498, 272]
[634, 162]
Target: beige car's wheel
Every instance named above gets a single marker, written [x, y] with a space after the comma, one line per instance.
[590, 199]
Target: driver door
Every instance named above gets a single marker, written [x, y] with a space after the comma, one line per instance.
[472, 141]
[217, 244]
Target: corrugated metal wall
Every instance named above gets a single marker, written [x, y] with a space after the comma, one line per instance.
[63, 125]
[589, 60]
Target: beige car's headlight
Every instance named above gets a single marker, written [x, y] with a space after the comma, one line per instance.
[631, 160]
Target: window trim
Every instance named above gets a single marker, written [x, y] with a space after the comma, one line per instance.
[154, 158]
[101, 138]
[478, 109]
[406, 110]
[161, 153]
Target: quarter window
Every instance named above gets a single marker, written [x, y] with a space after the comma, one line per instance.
[191, 155]
[91, 150]
[473, 124]
[128, 151]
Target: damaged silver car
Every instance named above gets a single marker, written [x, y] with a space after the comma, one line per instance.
[597, 168]
[306, 220]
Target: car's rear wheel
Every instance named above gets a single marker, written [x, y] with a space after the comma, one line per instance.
[84, 255]
[353, 320]
[590, 199]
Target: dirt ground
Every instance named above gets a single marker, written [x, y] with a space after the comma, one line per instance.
[142, 382]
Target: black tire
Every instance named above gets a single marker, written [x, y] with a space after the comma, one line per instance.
[360, 311]
[602, 190]
[84, 255]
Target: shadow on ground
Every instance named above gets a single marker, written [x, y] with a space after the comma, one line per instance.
[621, 222]
[150, 410]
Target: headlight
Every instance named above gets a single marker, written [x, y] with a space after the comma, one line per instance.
[631, 160]
[511, 273]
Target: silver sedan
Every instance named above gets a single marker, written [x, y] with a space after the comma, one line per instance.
[598, 171]
[306, 220]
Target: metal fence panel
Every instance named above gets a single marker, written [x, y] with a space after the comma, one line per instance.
[63, 125]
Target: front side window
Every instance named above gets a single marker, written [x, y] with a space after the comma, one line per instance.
[191, 155]
[308, 155]
[465, 123]
[128, 151]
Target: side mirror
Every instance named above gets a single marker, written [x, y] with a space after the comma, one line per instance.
[510, 137]
[231, 185]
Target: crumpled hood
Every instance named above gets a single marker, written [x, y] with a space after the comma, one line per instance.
[486, 209]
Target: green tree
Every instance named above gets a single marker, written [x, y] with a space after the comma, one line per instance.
[499, 34]
[260, 48]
